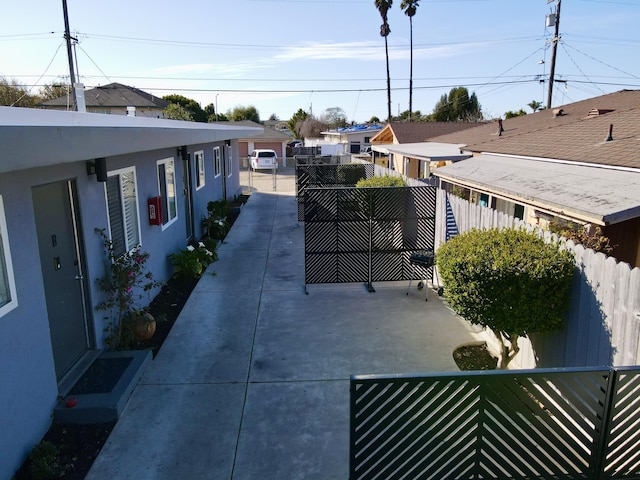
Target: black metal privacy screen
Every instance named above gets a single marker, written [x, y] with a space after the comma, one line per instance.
[367, 234]
[320, 176]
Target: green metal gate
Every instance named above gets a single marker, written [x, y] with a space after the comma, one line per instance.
[579, 423]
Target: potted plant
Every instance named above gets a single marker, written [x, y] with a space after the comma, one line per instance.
[125, 279]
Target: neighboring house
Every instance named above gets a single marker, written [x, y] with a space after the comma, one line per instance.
[52, 202]
[268, 139]
[394, 148]
[278, 125]
[351, 139]
[115, 99]
[577, 163]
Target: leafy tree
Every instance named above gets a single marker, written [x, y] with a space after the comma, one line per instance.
[409, 7]
[383, 7]
[175, 111]
[274, 118]
[311, 127]
[457, 106]
[193, 107]
[54, 90]
[509, 281]
[240, 113]
[534, 105]
[13, 94]
[295, 122]
[407, 116]
[374, 119]
[335, 117]
[210, 112]
[511, 114]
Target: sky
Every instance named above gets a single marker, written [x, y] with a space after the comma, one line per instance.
[283, 55]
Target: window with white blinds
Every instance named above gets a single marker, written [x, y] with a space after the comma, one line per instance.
[199, 160]
[8, 298]
[122, 204]
[167, 189]
[217, 167]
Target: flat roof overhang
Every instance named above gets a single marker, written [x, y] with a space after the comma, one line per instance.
[37, 138]
[425, 151]
[593, 194]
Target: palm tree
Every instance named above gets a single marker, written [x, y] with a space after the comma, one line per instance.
[383, 7]
[409, 7]
[534, 105]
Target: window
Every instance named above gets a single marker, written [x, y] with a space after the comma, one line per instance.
[199, 159]
[8, 297]
[167, 189]
[217, 166]
[227, 159]
[122, 207]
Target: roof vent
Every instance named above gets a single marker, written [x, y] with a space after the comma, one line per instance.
[610, 134]
[594, 112]
[558, 112]
[500, 128]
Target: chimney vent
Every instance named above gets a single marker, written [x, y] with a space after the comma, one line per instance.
[500, 129]
[558, 112]
[610, 134]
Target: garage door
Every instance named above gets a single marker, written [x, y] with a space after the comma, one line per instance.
[277, 146]
[243, 149]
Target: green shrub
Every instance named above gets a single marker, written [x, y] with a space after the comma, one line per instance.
[215, 224]
[192, 262]
[44, 462]
[507, 280]
[385, 181]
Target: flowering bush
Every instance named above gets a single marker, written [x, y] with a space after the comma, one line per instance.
[124, 281]
[192, 262]
[215, 224]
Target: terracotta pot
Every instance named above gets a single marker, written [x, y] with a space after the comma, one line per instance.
[144, 326]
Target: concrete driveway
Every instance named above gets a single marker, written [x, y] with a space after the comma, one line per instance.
[253, 380]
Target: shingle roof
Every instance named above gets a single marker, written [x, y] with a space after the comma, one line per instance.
[413, 132]
[115, 95]
[574, 135]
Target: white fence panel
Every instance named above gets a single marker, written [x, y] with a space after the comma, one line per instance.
[603, 324]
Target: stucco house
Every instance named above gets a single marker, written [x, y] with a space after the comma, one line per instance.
[62, 176]
[400, 146]
[350, 139]
[579, 162]
[269, 138]
[115, 99]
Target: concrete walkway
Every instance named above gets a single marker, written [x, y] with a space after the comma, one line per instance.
[253, 380]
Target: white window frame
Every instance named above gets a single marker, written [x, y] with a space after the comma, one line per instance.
[128, 244]
[199, 164]
[217, 165]
[166, 200]
[227, 159]
[8, 265]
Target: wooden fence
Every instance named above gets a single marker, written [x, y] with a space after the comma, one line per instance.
[603, 325]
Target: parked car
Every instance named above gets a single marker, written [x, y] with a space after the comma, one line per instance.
[263, 159]
[366, 151]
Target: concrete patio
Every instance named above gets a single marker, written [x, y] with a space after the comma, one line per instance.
[253, 380]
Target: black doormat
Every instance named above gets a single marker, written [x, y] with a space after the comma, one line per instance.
[102, 376]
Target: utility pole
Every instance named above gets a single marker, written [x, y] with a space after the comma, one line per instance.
[68, 38]
[556, 39]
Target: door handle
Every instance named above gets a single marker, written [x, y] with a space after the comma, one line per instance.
[79, 277]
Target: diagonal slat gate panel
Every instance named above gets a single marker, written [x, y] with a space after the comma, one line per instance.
[370, 233]
[326, 176]
[542, 424]
[624, 427]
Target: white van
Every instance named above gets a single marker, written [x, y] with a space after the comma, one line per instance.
[263, 159]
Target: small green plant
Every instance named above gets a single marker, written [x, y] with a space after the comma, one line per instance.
[125, 280]
[193, 261]
[507, 280]
[384, 181]
[44, 462]
[215, 224]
